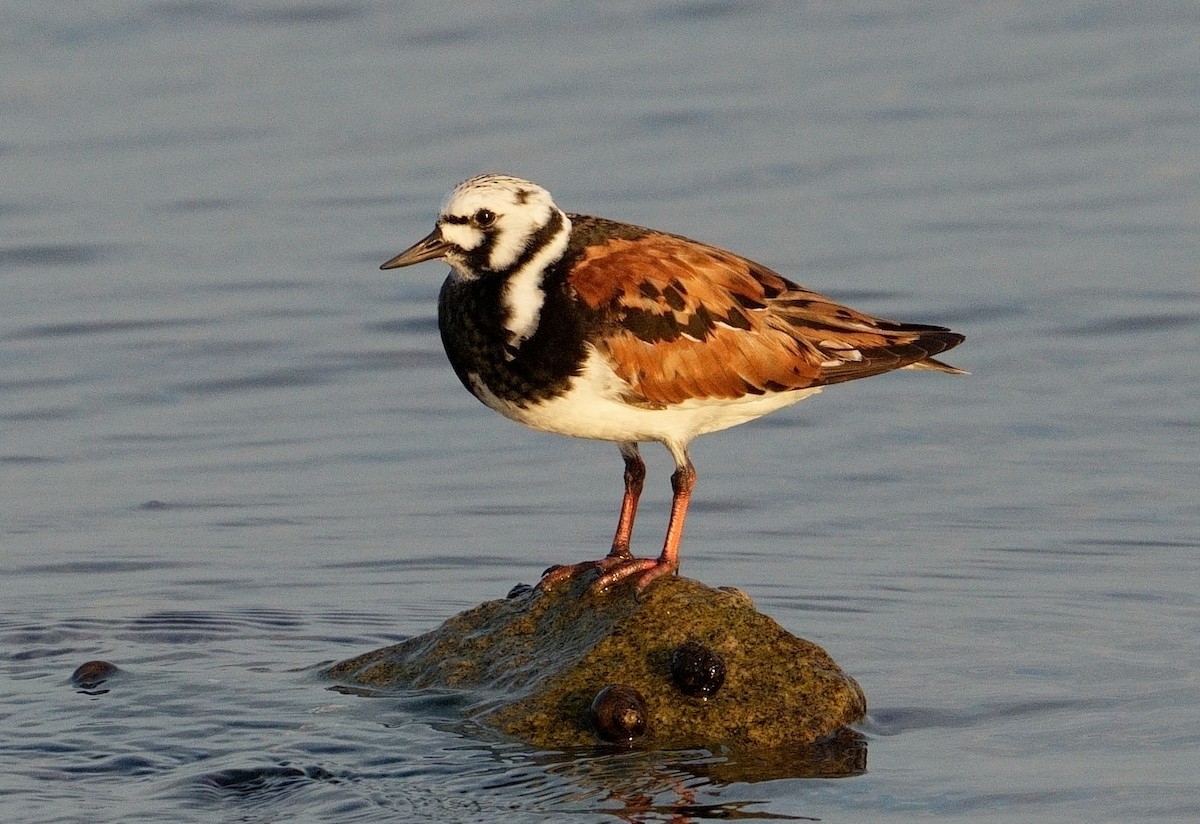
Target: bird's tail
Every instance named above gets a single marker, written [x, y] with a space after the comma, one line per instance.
[935, 365]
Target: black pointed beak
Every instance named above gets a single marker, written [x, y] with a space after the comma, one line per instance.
[429, 247]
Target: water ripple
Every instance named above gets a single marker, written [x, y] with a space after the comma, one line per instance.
[79, 328]
[54, 254]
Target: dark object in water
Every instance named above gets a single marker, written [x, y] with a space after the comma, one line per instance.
[93, 674]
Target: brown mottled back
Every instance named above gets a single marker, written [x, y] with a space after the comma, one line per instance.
[686, 320]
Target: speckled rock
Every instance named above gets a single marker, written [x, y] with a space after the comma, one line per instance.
[538, 659]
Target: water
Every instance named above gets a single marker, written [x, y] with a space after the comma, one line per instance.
[231, 449]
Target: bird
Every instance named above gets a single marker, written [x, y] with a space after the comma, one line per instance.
[592, 328]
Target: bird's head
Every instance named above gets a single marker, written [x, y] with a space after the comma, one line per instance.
[490, 223]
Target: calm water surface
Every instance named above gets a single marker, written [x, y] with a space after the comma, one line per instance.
[231, 449]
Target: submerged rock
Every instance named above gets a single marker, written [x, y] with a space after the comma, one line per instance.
[92, 674]
[538, 659]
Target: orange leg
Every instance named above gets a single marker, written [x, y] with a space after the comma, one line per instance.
[683, 481]
[635, 476]
[620, 554]
[620, 564]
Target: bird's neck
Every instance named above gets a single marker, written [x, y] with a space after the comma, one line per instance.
[512, 333]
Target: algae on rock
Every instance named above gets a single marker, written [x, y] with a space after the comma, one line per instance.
[538, 659]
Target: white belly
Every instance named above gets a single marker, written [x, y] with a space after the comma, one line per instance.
[592, 408]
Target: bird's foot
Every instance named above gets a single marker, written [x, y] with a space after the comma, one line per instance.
[613, 570]
[650, 569]
[560, 573]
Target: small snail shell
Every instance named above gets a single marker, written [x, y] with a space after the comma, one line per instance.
[518, 590]
[697, 670]
[618, 713]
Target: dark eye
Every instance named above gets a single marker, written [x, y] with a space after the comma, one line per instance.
[484, 218]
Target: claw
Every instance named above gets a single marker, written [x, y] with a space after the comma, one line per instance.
[613, 570]
[560, 573]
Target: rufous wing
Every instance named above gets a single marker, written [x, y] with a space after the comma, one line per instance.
[680, 319]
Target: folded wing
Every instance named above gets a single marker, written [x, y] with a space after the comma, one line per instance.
[683, 320]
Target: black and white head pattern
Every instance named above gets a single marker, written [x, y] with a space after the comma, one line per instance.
[501, 225]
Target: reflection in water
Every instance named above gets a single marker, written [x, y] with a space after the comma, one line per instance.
[668, 782]
[630, 784]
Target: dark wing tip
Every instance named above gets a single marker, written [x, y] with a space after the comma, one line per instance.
[914, 353]
[934, 340]
[939, 340]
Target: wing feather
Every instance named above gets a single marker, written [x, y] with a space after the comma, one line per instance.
[681, 319]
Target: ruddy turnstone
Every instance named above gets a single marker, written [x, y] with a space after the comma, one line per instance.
[587, 327]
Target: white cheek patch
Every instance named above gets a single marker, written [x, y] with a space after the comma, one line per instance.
[511, 237]
[523, 295]
[463, 236]
[505, 251]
